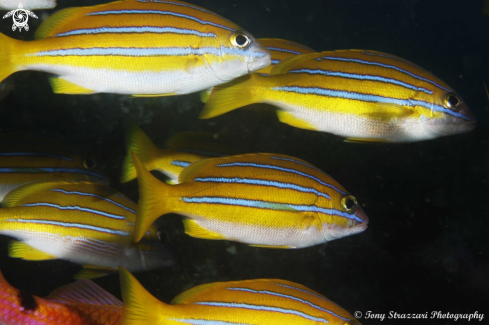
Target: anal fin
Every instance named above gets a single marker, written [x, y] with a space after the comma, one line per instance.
[18, 249]
[192, 228]
[93, 271]
[63, 86]
[288, 118]
[155, 95]
[272, 246]
[365, 140]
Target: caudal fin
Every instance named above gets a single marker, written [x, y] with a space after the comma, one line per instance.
[140, 307]
[6, 66]
[230, 96]
[139, 143]
[153, 201]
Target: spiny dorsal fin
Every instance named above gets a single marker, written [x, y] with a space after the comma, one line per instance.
[14, 197]
[83, 292]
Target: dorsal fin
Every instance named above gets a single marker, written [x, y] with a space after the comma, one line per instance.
[84, 292]
[50, 26]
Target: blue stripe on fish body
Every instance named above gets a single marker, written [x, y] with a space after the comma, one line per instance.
[180, 163]
[282, 169]
[272, 293]
[39, 154]
[392, 57]
[72, 225]
[77, 208]
[275, 61]
[361, 77]
[263, 308]
[94, 195]
[369, 98]
[282, 50]
[270, 205]
[37, 170]
[149, 51]
[205, 322]
[302, 290]
[138, 29]
[183, 5]
[157, 12]
[254, 181]
[299, 162]
[333, 58]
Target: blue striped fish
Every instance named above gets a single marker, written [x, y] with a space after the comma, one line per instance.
[136, 47]
[84, 223]
[252, 302]
[26, 157]
[357, 94]
[265, 200]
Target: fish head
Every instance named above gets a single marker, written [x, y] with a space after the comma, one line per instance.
[241, 54]
[154, 255]
[347, 218]
[447, 114]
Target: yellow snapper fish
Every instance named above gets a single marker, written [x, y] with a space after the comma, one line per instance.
[257, 302]
[29, 157]
[357, 94]
[280, 50]
[84, 223]
[136, 47]
[182, 150]
[264, 200]
[27, 4]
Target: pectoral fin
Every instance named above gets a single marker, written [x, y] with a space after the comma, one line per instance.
[192, 228]
[388, 111]
[93, 271]
[288, 118]
[63, 86]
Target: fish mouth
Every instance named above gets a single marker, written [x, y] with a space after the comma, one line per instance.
[261, 63]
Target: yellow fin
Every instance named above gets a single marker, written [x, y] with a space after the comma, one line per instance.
[51, 25]
[140, 307]
[63, 86]
[388, 111]
[153, 200]
[364, 140]
[192, 228]
[138, 142]
[92, 272]
[288, 118]
[6, 66]
[205, 94]
[14, 197]
[18, 249]
[230, 96]
[272, 246]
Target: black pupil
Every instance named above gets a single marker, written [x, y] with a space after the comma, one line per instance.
[89, 163]
[453, 101]
[350, 204]
[241, 40]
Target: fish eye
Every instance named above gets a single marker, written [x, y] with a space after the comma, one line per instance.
[240, 40]
[452, 101]
[89, 163]
[349, 203]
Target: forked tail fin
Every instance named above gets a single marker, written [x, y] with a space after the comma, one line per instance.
[6, 65]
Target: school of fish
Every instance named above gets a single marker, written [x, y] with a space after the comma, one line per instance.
[54, 204]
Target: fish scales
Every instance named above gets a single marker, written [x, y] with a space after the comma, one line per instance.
[362, 95]
[26, 157]
[259, 199]
[137, 47]
[257, 302]
[80, 222]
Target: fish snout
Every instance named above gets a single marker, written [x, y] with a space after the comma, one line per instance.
[362, 221]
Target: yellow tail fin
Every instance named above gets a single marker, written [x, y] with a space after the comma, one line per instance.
[139, 143]
[6, 65]
[153, 201]
[230, 96]
[140, 307]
